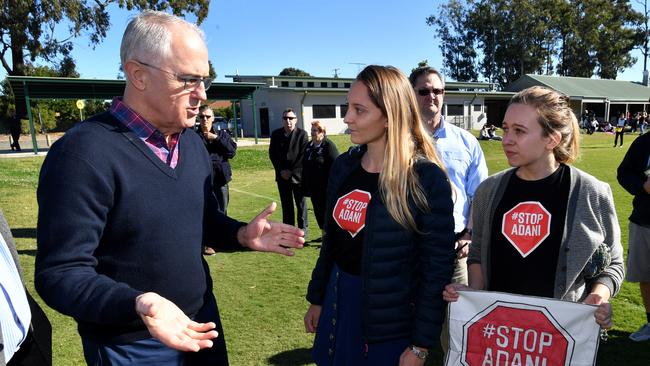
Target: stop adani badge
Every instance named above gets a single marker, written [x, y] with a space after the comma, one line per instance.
[499, 329]
[526, 226]
[350, 211]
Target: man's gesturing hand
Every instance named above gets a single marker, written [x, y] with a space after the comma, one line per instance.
[167, 323]
[264, 235]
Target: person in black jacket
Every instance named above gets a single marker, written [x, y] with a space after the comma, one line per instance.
[221, 148]
[14, 130]
[317, 161]
[376, 289]
[286, 151]
[634, 176]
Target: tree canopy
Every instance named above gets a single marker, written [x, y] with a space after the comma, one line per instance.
[27, 28]
[517, 37]
[292, 71]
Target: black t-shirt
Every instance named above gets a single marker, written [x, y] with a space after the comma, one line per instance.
[347, 223]
[527, 233]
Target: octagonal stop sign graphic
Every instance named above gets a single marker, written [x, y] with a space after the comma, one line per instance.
[507, 334]
[350, 211]
[526, 226]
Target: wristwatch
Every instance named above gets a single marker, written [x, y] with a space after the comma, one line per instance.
[419, 353]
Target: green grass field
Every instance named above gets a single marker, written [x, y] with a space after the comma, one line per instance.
[261, 296]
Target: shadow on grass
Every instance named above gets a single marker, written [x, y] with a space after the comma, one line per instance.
[31, 252]
[24, 233]
[620, 350]
[294, 357]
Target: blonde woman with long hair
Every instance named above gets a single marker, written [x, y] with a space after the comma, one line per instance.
[375, 292]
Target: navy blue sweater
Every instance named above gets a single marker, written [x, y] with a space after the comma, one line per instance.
[115, 221]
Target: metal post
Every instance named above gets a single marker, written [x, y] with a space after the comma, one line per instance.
[254, 119]
[234, 117]
[32, 130]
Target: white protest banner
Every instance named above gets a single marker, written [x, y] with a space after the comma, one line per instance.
[499, 329]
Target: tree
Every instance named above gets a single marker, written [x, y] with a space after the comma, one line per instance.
[456, 44]
[517, 37]
[644, 33]
[423, 63]
[212, 73]
[617, 38]
[27, 28]
[292, 71]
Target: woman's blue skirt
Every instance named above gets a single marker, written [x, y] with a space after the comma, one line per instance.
[339, 338]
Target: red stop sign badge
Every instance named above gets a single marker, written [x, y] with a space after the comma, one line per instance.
[516, 334]
[526, 226]
[350, 211]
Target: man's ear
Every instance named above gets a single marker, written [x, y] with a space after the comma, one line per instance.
[135, 74]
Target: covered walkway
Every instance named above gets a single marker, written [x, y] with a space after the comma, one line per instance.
[30, 88]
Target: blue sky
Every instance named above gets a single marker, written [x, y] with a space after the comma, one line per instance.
[258, 37]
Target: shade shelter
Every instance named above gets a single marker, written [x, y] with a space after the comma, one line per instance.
[604, 96]
[29, 88]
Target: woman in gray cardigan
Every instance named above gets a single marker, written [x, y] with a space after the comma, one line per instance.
[544, 228]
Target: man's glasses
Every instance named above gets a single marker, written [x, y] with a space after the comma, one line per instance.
[204, 116]
[289, 118]
[423, 92]
[189, 82]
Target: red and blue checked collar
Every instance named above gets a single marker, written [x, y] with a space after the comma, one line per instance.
[154, 139]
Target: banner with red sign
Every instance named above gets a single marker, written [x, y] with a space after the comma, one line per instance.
[499, 329]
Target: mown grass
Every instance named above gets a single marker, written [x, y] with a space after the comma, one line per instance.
[261, 296]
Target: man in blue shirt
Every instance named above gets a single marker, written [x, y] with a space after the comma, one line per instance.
[25, 338]
[459, 151]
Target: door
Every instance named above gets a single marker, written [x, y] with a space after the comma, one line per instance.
[264, 122]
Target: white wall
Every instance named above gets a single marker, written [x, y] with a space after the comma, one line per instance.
[278, 99]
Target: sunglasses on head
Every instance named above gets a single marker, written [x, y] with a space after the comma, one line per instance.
[426, 91]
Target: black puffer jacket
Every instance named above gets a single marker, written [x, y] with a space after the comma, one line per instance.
[403, 273]
[632, 175]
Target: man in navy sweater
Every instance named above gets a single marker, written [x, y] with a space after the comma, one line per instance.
[125, 205]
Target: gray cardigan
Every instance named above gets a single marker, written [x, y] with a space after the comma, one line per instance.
[590, 221]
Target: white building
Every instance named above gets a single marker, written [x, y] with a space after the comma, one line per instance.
[467, 104]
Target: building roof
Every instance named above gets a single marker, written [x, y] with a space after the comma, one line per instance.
[273, 81]
[72, 88]
[586, 89]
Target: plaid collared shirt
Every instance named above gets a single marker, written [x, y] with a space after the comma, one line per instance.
[154, 139]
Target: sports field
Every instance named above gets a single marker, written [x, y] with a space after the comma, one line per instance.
[261, 296]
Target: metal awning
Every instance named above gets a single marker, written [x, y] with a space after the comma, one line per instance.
[33, 87]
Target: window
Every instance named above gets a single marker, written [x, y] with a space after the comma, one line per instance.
[284, 84]
[298, 84]
[455, 110]
[344, 110]
[347, 85]
[335, 85]
[323, 84]
[324, 111]
[310, 84]
[477, 108]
